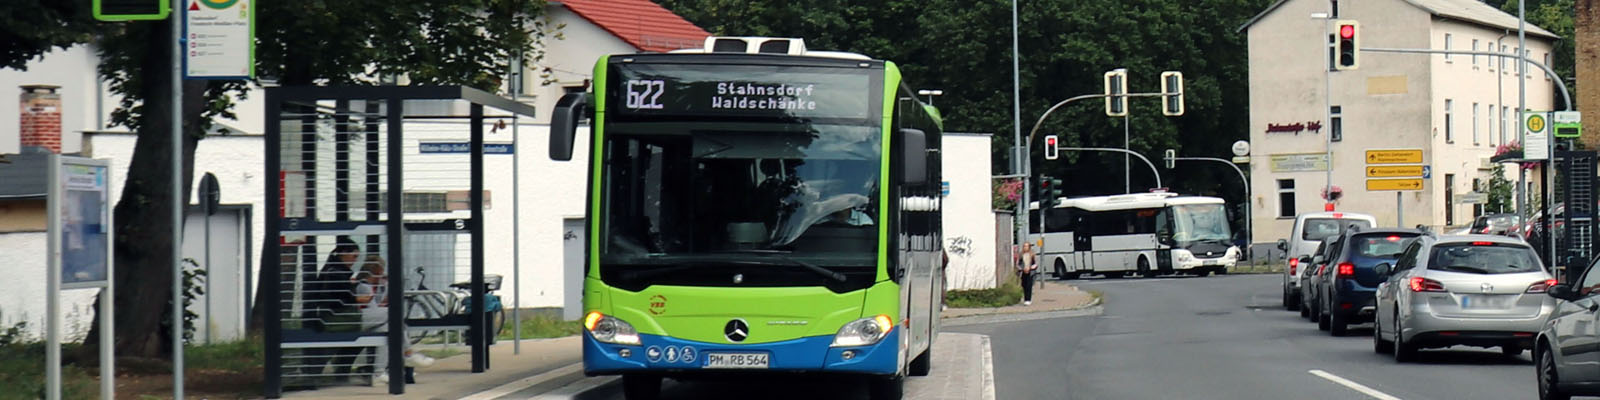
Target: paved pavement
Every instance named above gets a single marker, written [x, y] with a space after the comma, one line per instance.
[1223, 337]
[549, 369]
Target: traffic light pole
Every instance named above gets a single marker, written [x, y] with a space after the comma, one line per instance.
[1153, 171]
[1249, 236]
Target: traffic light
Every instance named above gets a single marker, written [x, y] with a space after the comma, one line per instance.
[1049, 189]
[1349, 43]
[1116, 93]
[1172, 158]
[1050, 150]
[1172, 93]
[131, 10]
[1055, 189]
[1042, 190]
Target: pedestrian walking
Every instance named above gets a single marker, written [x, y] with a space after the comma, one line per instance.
[1026, 265]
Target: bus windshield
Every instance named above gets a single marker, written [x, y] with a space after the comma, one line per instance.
[687, 190]
[1196, 223]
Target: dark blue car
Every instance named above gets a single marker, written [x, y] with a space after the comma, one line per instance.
[1347, 288]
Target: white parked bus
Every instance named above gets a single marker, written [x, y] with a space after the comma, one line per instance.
[1145, 233]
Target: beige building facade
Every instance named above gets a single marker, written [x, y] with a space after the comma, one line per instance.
[1456, 109]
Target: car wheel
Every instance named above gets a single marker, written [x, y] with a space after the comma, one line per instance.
[1378, 344]
[1548, 377]
[641, 387]
[1323, 323]
[1337, 325]
[1305, 312]
[1403, 352]
[923, 364]
[1144, 268]
[1288, 303]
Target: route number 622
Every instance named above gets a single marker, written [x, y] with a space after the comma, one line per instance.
[645, 94]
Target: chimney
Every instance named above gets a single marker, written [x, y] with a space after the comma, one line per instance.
[41, 119]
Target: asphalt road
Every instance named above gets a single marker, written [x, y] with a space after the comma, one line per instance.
[1224, 337]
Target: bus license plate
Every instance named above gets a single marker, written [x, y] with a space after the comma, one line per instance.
[1209, 262]
[737, 360]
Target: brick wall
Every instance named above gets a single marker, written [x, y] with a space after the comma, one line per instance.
[40, 117]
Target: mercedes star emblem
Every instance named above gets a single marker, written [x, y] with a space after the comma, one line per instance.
[736, 330]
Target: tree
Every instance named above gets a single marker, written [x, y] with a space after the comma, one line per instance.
[455, 42]
[963, 48]
[31, 28]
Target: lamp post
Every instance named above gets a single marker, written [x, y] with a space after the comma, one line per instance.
[1327, 107]
[930, 93]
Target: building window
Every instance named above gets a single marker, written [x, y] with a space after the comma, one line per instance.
[1447, 47]
[1503, 49]
[1449, 199]
[1505, 123]
[1334, 5]
[1547, 64]
[1449, 136]
[1474, 56]
[1286, 198]
[1477, 208]
[1475, 141]
[1335, 123]
[1492, 115]
[1527, 55]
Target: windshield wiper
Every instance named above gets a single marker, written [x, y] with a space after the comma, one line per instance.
[687, 264]
[781, 255]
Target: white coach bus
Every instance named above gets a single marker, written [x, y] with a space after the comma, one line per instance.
[1148, 234]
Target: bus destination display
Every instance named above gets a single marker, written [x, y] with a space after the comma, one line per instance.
[742, 91]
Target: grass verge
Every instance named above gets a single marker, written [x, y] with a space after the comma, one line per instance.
[216, 371]
[1002, 296]
[544, 326]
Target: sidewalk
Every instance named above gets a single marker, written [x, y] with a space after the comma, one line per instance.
[452, 378]
[1054, 296]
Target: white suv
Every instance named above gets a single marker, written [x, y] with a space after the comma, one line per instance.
[1309, 230]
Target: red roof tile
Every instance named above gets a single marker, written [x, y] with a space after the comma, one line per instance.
[641, 23]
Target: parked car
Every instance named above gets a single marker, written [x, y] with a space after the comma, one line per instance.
[1310, 267]
[1309, 229]
[1344, 290]
[1473, 290]
[1494, 224]
[1563, 357]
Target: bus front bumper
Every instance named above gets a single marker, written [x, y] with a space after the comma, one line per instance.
[672, 356]
[1193, 263]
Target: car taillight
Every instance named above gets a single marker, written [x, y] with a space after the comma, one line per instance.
[1541, 286]
[1347, 270]
[1294, 265]
[1420, 284]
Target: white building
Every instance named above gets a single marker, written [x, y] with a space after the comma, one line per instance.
[1456, 109]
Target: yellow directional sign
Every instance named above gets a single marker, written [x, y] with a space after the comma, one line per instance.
[1394, 184]
[1400, 156]
[1394, 171]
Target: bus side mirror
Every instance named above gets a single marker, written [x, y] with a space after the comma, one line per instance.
[564, 124]
[914, 156]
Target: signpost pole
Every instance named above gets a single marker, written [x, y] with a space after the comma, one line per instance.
[1399, 211]
[52, 302]
[176, 203]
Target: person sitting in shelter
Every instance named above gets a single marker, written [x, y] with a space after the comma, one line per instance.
[371, 292]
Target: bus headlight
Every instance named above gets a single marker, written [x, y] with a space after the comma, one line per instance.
[609, 329]
[1183, 255]
[863, 332]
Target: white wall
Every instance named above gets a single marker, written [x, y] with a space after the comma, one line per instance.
[571, 59]
[22, 262]
[968, 212]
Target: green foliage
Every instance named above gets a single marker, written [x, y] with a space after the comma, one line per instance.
[30, 28]
[1005, 295]
[238, 355]
[963, 48]
[1500, 199]
[1556, 16]
[22, 372]
[194, 285]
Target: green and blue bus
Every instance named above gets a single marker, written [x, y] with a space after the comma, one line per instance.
[755, 206]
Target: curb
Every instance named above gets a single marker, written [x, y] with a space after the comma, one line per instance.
[1093, 307]
[541, 383]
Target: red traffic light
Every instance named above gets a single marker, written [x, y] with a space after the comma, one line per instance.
[1050, 141]
[1347, 31]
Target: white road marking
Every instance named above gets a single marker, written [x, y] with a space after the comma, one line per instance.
[1352, 385]
[574, 389]
[988, 370]
[523, 383]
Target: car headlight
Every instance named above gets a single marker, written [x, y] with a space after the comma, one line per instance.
[863, 332]
[609, 329]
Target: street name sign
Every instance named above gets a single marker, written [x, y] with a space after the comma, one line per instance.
[1394, 184]
[1394, 171]
[1566, 124]
[1394, 156]
[1472, 198]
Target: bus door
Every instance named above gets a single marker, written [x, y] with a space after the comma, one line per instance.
[1081, 248]
[1163, 220]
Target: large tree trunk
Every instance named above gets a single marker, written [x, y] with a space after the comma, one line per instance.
[1586, 40]
[143, 242]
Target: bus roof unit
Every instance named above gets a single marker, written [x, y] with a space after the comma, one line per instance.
[766, 45]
